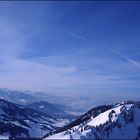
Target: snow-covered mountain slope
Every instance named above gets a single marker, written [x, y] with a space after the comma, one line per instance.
[120, 122]
[83, 118]
[20, 121]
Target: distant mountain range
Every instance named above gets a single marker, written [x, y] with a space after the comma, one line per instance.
[72, 104]
[24, 115]
[19, 97]
[119, 121]
[34, 100]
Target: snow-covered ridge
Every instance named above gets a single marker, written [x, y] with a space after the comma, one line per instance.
[121, 122]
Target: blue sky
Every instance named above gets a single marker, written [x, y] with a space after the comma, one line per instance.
[71, 47]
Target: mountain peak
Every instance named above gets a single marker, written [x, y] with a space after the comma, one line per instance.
[116, 122]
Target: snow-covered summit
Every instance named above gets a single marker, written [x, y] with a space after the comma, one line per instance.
[120, 122]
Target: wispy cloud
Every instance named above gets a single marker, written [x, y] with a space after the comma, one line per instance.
[29, 75]
[119, 54]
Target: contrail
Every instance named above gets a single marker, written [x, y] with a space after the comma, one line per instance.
[124, 57]
[137, 64]
[76, 36]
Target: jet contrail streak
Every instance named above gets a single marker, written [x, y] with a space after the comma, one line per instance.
[124, 57]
